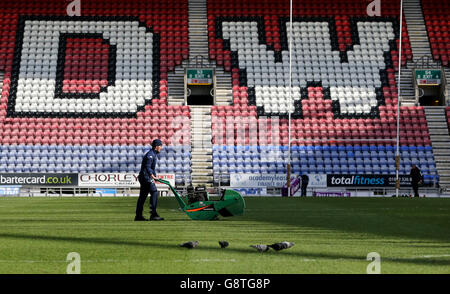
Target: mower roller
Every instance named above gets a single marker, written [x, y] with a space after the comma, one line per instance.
[230, 204]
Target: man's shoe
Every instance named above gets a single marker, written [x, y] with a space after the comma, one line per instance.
[156, 218]
[140, 219]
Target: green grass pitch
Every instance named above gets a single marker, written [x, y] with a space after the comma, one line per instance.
[331, 235]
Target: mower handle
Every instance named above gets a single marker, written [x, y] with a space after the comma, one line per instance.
[177, 196]
[163, 182]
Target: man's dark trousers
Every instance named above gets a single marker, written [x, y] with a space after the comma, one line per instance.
[415, 186]
[146, 188]
[303, 191]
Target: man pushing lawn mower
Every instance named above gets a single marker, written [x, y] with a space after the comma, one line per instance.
[199, 206]
[147, 177]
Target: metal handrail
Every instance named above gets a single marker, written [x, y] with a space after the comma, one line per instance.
[198, 61]
[426, 61]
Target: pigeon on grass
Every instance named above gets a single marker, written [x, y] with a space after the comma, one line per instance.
[261, 248]
[223, 244]
[281, 245]
[190, 244]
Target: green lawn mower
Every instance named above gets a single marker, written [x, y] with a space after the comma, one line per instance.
[198, 206]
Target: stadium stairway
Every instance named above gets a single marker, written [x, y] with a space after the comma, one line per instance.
[198, 28]
[201, 115]
[198, 44]
[199, 57]
[420, 48]
[175, 86]
[417, 31]
[407, 97]
[440, 140]
[202, 167]
[201, 137]
[420, 33]
[198, 51]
